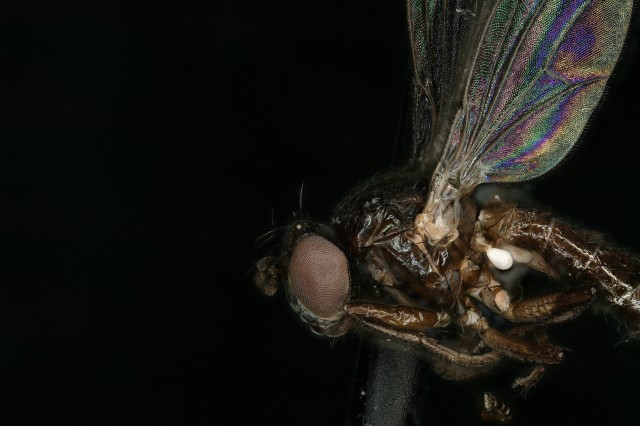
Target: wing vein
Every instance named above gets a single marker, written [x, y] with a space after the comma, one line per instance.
[487, 112]
[486, 131]
[539, 107]
[461, 145]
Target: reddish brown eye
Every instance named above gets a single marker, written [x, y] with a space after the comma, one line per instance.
[319, 275]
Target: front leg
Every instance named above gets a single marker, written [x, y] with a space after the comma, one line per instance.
[407, 318]
[386, 320]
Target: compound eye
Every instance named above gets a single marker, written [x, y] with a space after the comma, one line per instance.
[319, 276]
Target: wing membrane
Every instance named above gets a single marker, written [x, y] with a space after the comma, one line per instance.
[438, 31]
[516, 94]
[532, 75]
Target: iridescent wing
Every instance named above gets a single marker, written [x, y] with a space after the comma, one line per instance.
[525, 84]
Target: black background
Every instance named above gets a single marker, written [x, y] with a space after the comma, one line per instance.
[146, 147]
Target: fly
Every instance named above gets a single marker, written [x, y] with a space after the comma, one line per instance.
[500, 93]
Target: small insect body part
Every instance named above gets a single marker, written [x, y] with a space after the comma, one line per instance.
[500, 258]
[494, 410]
[501, 90]
[524, 384]
[267, 276]
[502, 299]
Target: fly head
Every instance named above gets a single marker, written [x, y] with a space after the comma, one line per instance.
[316, 275]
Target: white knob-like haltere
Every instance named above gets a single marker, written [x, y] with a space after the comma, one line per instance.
[500, 258]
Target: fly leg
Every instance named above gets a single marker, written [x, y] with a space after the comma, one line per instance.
[554, 308]
[551, 309]
[514, 346]
[524, 384]
[538, 312]
[408, 324]
[518, 349]
[407, 318]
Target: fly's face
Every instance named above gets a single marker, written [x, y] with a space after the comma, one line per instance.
[316, 275]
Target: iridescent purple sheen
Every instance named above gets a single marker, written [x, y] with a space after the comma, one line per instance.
[539, 72]
[517, 157]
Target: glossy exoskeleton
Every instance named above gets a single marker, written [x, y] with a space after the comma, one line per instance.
[501, 91]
